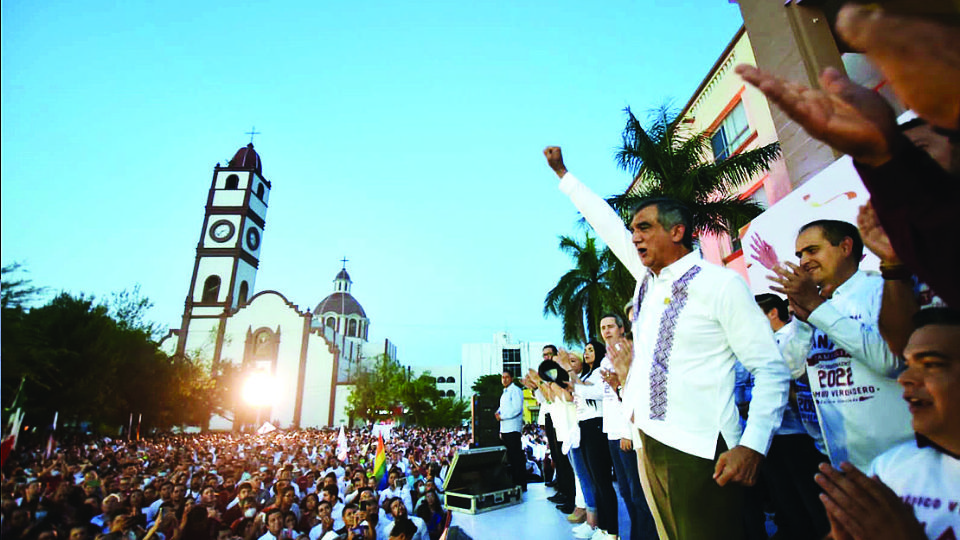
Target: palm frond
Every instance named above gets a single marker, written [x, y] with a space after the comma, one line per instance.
[735, 171]
[725, 215]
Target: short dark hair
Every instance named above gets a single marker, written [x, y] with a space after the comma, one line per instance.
[404, 527]
[552, 347]
[936, 315]
[332, 489]
[614, 316]
[670, 213]
[768, 301]
[835, 231]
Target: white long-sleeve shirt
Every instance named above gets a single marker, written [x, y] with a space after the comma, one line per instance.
[402, 492]
[852, 373]
[421, 525]
[680, 386]
[588, 396]
[614, 422]
[511, 409]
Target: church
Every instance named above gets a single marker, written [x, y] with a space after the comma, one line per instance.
[297, 364]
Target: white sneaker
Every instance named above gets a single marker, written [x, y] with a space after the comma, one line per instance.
[601, 534]
[584, 531]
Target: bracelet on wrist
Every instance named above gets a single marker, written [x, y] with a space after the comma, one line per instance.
[895, 272]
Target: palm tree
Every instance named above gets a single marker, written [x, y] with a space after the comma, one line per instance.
[666, 160]
[594, 285]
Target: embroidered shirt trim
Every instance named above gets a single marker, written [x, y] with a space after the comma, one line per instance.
[660, 367]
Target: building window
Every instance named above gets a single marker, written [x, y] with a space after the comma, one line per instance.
[759, 196]
[511, 361]
[211, 289]
[260, 191]
[730, 134]
[441, 380]
[233, 181]
[352, 329]
[451, 380]
[332, 323]
[451, 393]
[244, 290]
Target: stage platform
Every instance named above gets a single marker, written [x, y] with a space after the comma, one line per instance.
[535, 517]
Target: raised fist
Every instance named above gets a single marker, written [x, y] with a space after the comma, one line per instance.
[555, 160]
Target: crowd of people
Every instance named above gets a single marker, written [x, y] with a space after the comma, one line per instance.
[833, 401]
[276, 486]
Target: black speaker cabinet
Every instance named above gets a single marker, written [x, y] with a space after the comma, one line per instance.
[478, 481]
[484, 425]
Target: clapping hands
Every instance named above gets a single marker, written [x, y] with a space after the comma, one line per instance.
[620, 353]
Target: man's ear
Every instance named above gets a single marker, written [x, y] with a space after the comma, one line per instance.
[677, 232]
[847, 246]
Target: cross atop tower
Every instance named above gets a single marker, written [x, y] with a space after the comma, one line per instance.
[253, 131]
[344, 261]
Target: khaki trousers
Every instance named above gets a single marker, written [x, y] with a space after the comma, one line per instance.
[687, 503]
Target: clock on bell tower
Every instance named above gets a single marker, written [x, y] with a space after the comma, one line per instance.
[228, 252]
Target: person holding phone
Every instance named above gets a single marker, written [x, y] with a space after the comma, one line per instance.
[396, 487]
[374, 527]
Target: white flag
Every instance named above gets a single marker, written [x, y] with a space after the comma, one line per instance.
[342, 445]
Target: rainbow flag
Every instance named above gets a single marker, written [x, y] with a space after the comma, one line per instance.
[380, 464]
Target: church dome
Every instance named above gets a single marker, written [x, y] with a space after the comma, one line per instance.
[342, 303]
[247, 158]
[343, 275]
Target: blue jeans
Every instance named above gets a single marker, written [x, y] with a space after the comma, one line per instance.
[642, 526]
[583, 475]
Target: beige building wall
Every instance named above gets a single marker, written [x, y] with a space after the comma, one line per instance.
[719, 96]
[794, 42]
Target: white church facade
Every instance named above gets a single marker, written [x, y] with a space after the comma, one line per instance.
[302, 360]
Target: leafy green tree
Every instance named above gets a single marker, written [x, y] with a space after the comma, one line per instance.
[488, 385]
[79, 361]
[129, 308]
[419, 396]
[15, 293]
[377, 389]
[385, 386]
[448, 412]
[594, 286]
[97, 362]
[667, 159]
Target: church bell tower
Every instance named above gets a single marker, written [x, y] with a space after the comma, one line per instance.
[228, 252]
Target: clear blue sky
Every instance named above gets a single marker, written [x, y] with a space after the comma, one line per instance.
[406, 136]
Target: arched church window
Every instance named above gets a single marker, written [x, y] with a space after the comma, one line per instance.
[233, 181]
[451, 380]
[260, 191]
[332, 323]
[211, 289]
[352, 329]
[441, 380]
[451, 393]
[244, 290]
